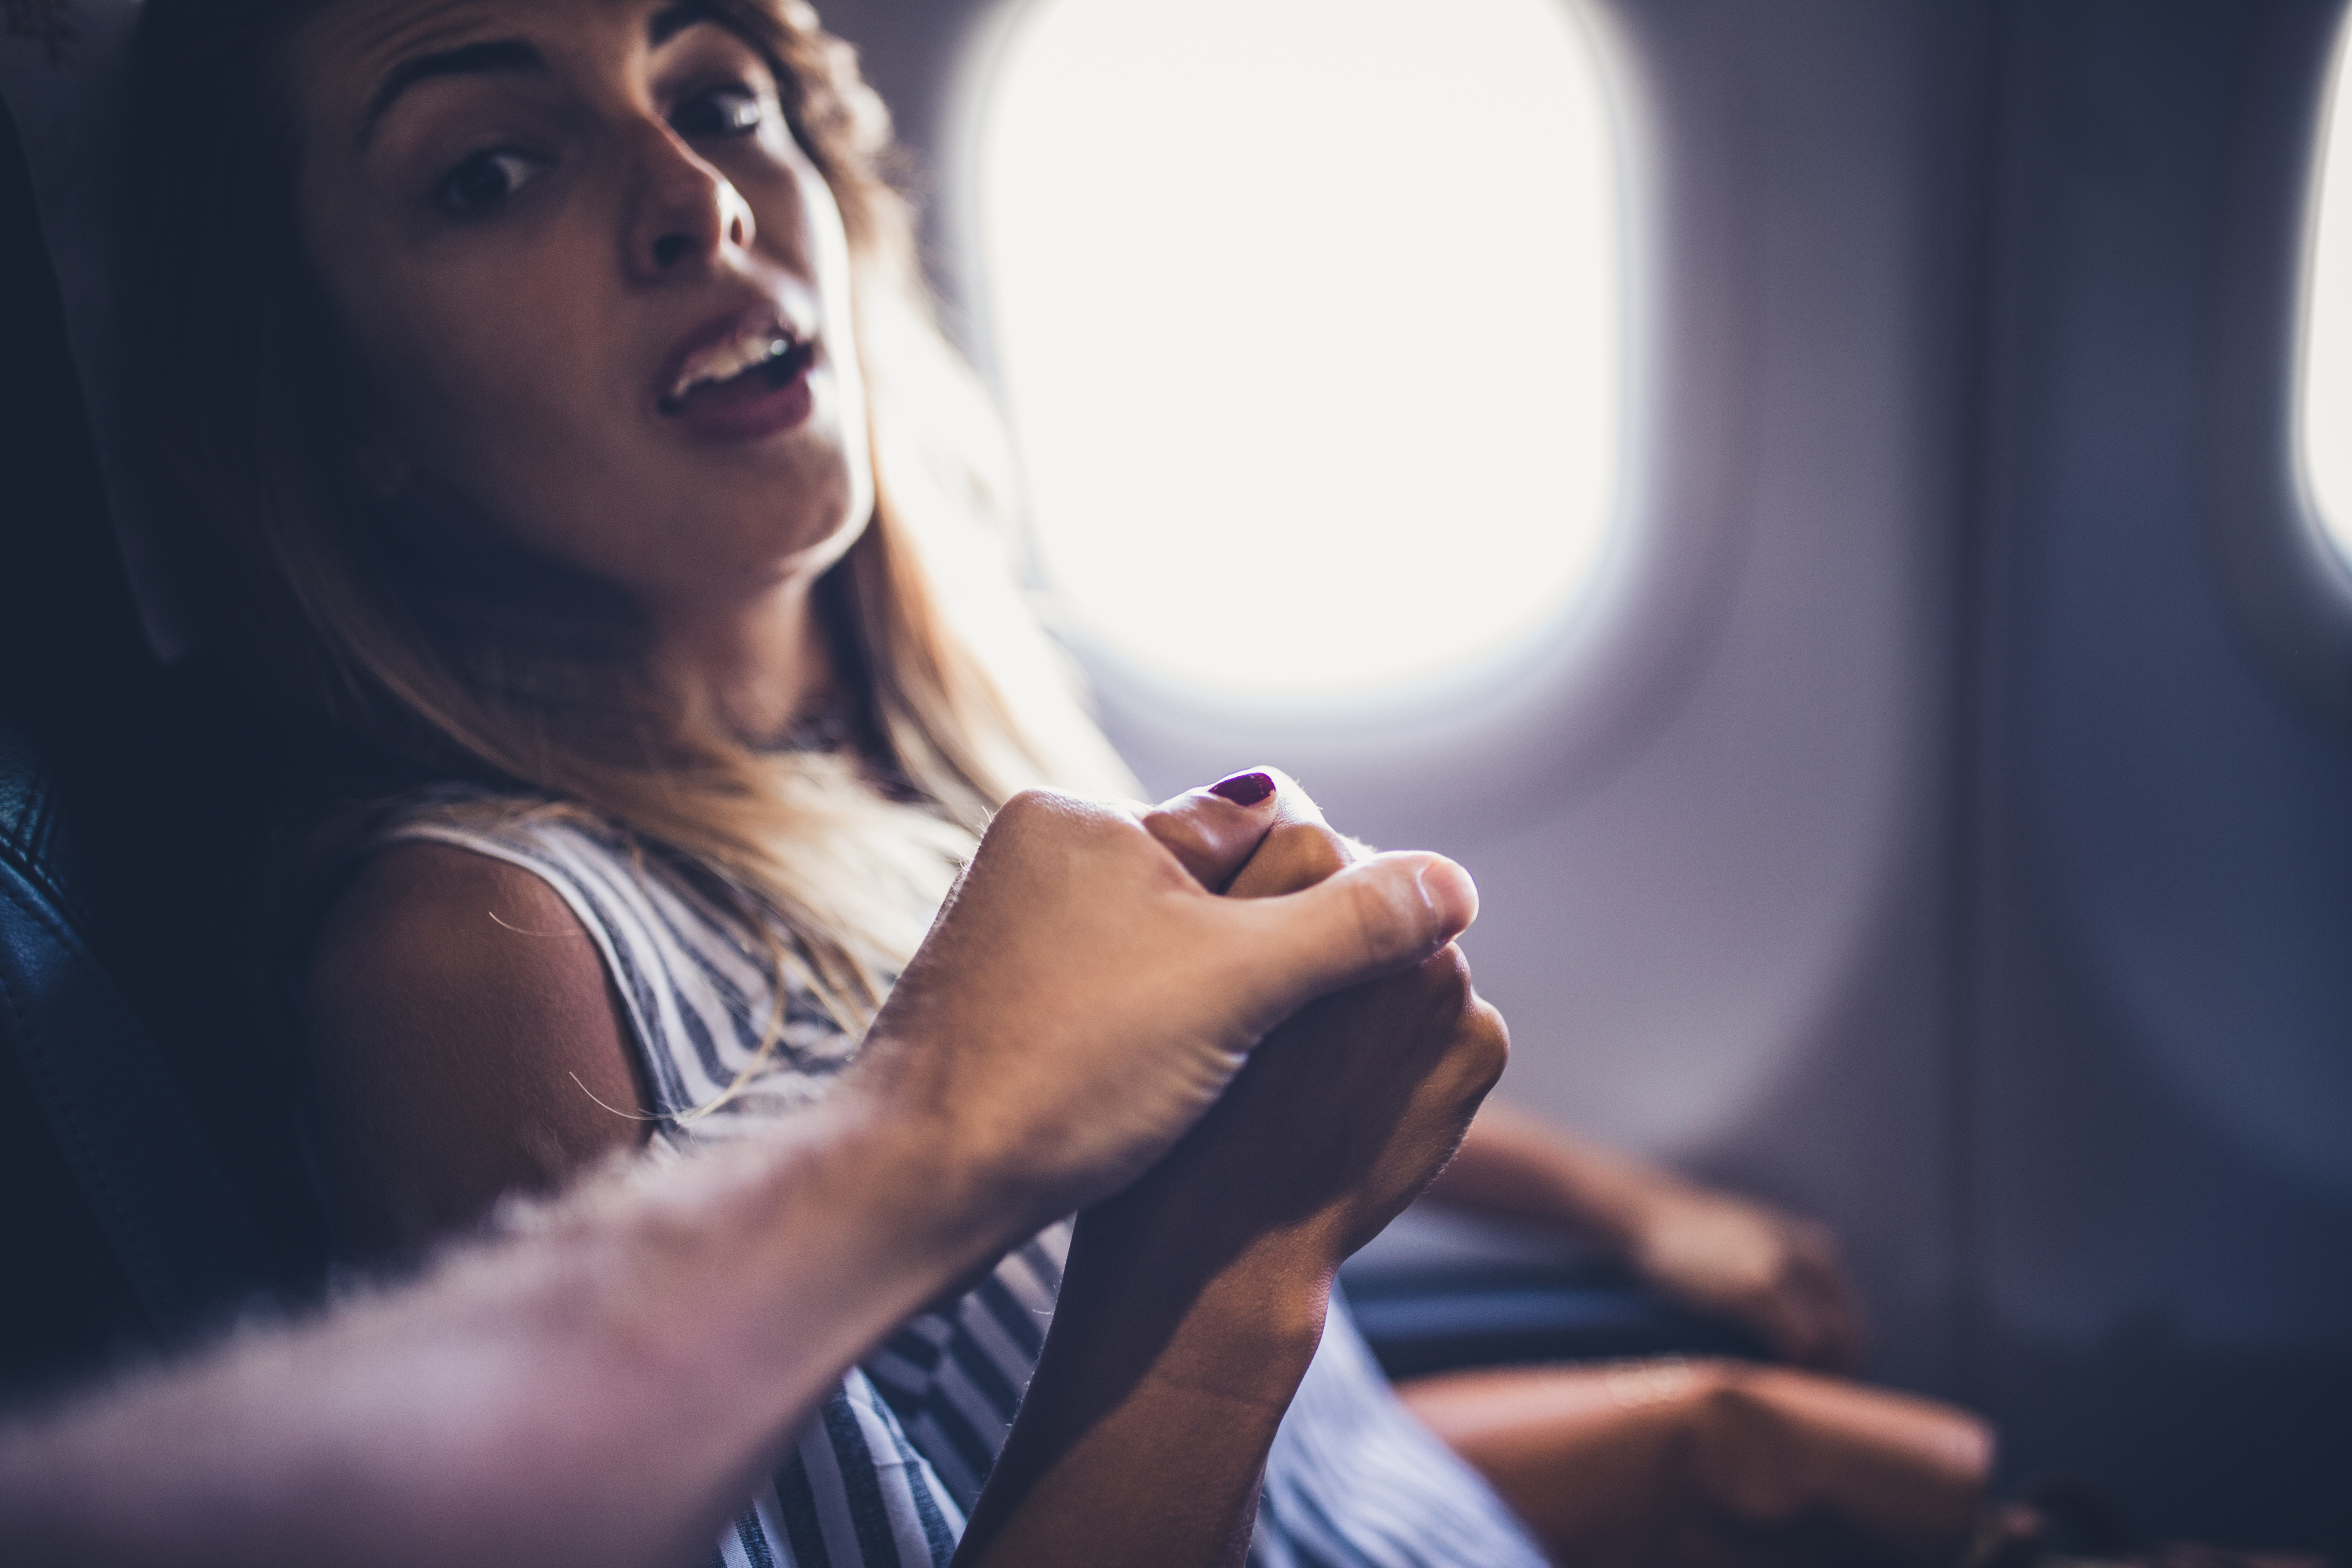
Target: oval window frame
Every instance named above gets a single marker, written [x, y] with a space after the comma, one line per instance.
[1573, 701]
[2284, 583]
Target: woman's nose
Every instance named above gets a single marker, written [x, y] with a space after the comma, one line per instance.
[685, 211]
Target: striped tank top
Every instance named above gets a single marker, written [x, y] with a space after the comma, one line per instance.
[885, 1473]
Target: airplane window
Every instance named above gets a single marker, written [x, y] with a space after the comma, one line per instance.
[1307, 313]
[2326, 424]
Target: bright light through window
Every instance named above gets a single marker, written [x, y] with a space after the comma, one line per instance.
[2327, 342]
[1309, 316]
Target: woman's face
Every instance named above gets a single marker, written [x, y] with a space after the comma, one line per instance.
[592, 283]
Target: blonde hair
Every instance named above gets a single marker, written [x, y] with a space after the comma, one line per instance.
[457, 654]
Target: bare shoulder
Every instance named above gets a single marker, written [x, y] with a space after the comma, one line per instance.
[463, 1041]
[424, 923]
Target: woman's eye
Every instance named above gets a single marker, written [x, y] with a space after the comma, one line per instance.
[487, 179]
[733, 110]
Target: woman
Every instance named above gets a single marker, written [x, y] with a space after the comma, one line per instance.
[550, 387]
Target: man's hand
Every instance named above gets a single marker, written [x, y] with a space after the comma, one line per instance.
[1084, 996]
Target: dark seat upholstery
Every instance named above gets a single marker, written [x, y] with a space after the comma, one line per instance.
[1458, 1315]
[118, 1222]
[149, 1173]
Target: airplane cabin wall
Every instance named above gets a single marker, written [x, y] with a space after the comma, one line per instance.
[2161, 1045]
[1970, 876]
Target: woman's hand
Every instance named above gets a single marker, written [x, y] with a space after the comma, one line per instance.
[1780, 1276]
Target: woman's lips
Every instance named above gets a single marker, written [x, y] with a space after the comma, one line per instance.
[740, 377]
[771, 395]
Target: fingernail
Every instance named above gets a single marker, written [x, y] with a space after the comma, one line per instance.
[1449, 893]
[1244, 789]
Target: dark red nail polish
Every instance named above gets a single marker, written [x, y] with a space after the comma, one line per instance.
[1244, 789]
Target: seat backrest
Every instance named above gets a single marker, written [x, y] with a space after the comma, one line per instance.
[150, 1176]
[121, 1224]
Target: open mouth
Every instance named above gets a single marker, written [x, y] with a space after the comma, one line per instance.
[748, 368]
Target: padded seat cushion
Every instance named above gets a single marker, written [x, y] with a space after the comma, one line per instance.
[150, 1176]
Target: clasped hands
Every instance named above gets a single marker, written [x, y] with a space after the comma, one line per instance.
[1341, 1118]
[1086, 996]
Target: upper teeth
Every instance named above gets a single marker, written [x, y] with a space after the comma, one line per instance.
[731, 359]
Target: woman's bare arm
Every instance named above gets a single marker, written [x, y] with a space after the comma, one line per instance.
[1779, 1275]
[464, 1042]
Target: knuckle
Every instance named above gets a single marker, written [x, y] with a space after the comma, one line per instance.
[1025, 808]
[1294, 856]
[1494, 1036]
[1308, 848]
[1441, 986]
[1177, 830]
[1478, 1043]
[1382, 923]
[1327, 852]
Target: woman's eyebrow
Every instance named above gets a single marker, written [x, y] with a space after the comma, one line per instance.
[497, 57]
[671, 20]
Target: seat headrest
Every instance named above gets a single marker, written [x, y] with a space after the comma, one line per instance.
[64, 67]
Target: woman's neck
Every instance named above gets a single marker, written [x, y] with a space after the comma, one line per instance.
[764, 663]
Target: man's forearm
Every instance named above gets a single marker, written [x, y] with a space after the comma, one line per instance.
[606, 1391]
